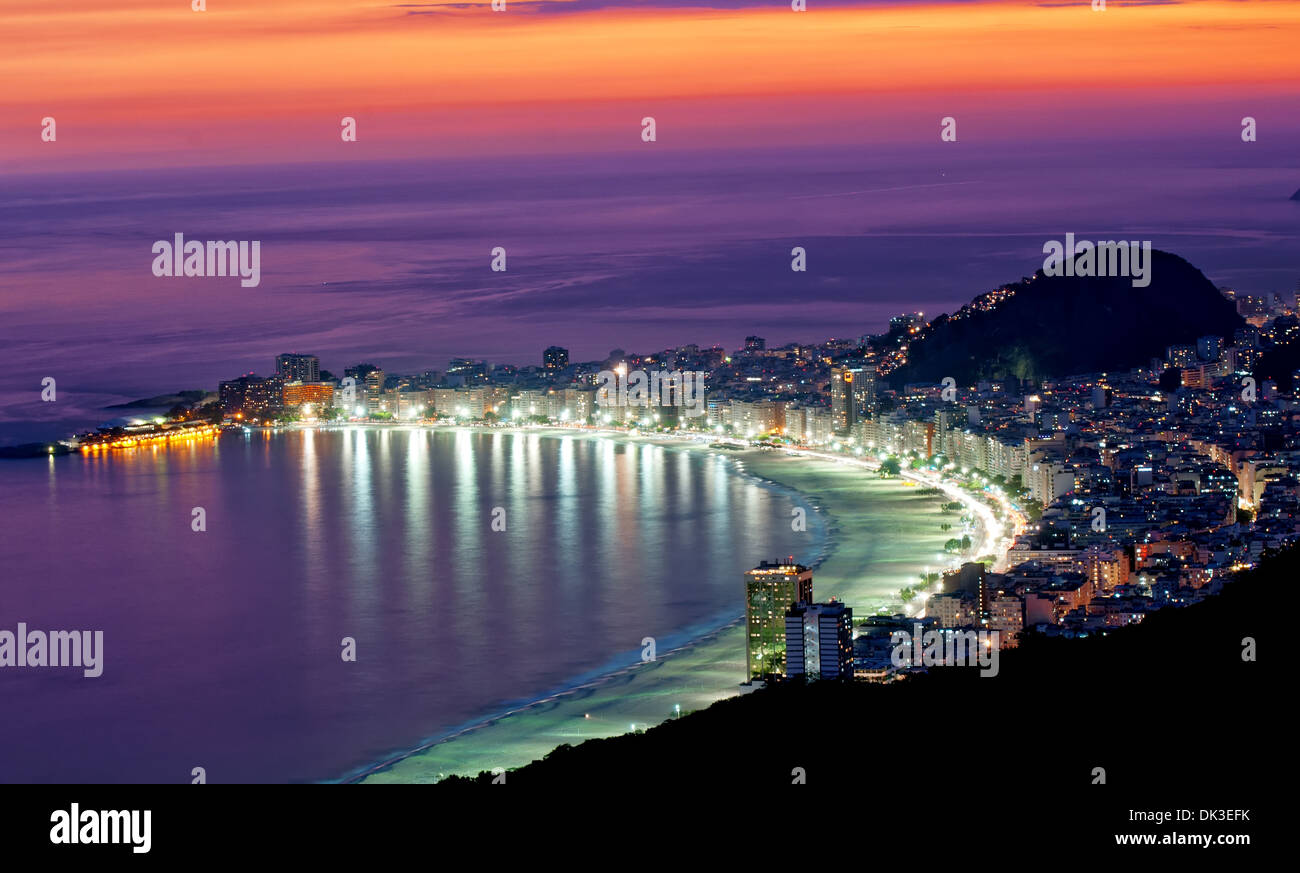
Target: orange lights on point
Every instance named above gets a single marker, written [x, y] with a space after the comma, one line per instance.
[170, 437]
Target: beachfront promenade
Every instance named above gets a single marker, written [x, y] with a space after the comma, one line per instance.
[885, 533]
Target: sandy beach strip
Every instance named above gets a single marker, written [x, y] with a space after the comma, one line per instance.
[884, 534]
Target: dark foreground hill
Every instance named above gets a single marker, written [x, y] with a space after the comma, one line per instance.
[1169, 709]
[1057, 326]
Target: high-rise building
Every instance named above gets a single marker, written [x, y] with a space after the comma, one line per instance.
[319, 395]
[971, 579]
[755, 344]
[408, 404]
[819, 641]
[864, 392]
[527, 403]
[464, 371]
[1181, 356]
[1251, 305]
[853, 396]
[906, 322]
[758, 417]
[795, 423]
[1007, 617]
[555, 358]
[250, 397]
[297, 368]
[264, 398]
[1238, 359]
[444, 402]
[553, 400]
[464, 403]
[843, 409]
[1246, 337]
[375, 390]
[360, 371]
[818, 425]
[579, 404]
[232, 393]
[771, 589]
[1032, 403]
[952, 609]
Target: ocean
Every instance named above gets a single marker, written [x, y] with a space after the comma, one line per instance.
[471, 569]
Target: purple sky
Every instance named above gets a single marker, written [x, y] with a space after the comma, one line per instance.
[632, 252]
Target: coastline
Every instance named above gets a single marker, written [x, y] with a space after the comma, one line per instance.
[880, 534]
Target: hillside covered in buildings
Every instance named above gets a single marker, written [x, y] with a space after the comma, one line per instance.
[1053, 326]
[1141, 484]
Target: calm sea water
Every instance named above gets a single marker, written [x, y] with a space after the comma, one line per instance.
[640, 251]
[222, 648]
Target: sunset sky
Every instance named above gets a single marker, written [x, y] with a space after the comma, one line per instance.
[523, 129]
[135, 82]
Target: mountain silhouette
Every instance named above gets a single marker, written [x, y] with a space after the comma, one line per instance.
[1053, 326]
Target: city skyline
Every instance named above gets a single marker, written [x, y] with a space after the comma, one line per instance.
[868, 359]
[1123, 122]
[890, 396]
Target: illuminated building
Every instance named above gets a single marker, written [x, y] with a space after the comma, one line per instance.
[853, 396]
[264, 398]
[462, 403]
[407, 404]
[965, 597]
[555, 358]
[231, 393]
[463, 371]
[152, 436]
[527, 403]
[953, 609]
[251, 397]
[818, 425]
[374, 390]
[1181, 356]
[864, 392]
[580, 403]
[842, 407]
[760, 417]
[796, 421]
[771, 589]
[819, 641]
[297, 368]
[319, 394]
[1007, 617]
[1209, 348]
[1105, 568]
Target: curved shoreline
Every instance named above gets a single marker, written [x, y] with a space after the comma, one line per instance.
[681, 640]
[603, 678]
[707, 667]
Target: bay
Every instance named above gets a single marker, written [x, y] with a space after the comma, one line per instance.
[222, 647]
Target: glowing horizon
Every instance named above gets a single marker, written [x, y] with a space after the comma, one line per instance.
[154, 77]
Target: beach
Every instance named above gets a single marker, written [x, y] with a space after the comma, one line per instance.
[883, 533]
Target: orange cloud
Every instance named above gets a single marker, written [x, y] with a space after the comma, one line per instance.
[155, 75]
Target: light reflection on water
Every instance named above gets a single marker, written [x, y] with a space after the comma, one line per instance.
[222, 647]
